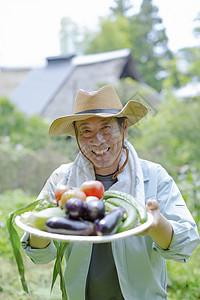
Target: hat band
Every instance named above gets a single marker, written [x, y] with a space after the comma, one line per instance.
[100, 110]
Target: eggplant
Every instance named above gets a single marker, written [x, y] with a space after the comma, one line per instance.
[64, 225]
[94, 209]
[111, 222]
[75, 208]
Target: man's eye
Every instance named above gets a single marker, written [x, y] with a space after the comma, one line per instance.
[85, 132]
[105, 129]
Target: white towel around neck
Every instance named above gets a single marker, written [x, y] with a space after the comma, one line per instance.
[129, 181]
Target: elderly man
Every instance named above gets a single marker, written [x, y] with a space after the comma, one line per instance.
[133, 267]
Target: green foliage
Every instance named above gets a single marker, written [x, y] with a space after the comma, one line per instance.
[15, 126]
[196, 30]
[121, 8]
[11, 120]
[183, 280]
[175, 76]
[170, 138]
[129, 89]
[143, 33]
[27, 169]
[114, 35]
[149, 43]
[27, 154]
[73, 39]
[38, 277]
[9, 201]
[191, 58]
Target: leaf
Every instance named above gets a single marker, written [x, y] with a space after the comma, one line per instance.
[16, 245]
[58, 268]
[15, 240]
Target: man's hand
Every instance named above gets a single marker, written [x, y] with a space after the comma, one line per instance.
[160, 230]
[37, 242]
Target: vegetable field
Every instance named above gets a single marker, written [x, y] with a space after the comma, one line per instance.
[183, 278]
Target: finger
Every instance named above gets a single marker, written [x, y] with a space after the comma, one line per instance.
[152, 204]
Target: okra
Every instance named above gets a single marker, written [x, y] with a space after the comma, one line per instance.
[129, 198]
[131, 213]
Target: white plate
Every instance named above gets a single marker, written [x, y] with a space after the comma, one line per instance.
[89, 239]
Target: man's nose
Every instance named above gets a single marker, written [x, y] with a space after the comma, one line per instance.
[98, 138]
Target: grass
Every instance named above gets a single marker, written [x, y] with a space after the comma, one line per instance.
[38, 279]
[183, 283]
[183, 278]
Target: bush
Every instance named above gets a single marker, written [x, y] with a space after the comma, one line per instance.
[26, 169]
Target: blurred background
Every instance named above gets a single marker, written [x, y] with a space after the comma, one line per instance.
[148, 50]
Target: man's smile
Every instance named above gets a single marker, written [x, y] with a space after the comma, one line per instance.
[101, 152]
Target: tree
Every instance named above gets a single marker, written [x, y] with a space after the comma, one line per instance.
[170, 136]
[73, 39]
[122, 7]
[149, 44]
[191, 58]
[113, 35]
[196, 30]
[185, 66]
[143, 33]
[20, 130]
[176, 76]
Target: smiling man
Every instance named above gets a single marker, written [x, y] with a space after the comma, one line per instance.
[101, 141]
[132, 268]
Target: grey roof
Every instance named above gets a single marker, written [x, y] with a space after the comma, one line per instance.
[41, 85]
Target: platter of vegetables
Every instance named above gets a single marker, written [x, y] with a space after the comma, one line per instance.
[86, 214]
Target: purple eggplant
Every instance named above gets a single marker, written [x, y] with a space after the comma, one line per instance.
[110, 223]
[94, 209]
[75, 208]
[65, 225]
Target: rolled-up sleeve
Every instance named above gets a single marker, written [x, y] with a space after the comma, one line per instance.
[38, 256]
[185, 233]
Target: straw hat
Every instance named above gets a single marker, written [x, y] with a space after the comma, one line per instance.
[103, 103]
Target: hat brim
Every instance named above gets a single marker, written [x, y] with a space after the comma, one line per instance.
[134, 111]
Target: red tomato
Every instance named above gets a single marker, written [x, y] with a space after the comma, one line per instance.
[59, 191]
[93, 188]
[72, 193]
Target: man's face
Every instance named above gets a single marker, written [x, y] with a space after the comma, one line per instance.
[101, 141]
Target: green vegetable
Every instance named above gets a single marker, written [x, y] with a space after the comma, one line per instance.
[129, 198]
[38, 219]
[15, 241]
[37, 205]
[109, 206]
[58, 267]
[131, 213]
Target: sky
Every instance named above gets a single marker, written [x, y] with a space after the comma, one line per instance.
[29, 29]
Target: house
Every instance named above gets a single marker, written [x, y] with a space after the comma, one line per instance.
[50, 91]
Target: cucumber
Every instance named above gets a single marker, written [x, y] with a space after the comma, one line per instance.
[129, 198]
[131, 213]
[108, 205]
[38, 219]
